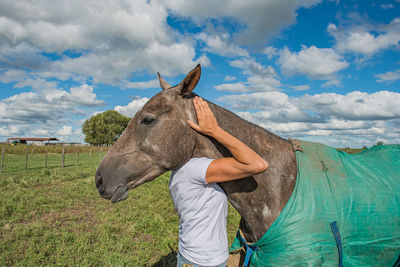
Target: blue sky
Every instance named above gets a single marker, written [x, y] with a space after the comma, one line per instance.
[325, 71]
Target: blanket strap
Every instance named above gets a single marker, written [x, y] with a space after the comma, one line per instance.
[397, 264]
[249, 249]
[336, 235]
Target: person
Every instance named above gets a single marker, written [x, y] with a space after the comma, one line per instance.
[200, 202]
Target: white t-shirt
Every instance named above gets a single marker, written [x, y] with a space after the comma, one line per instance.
[202, 209]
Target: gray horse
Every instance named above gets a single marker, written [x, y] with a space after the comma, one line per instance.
[321, 189]
[159, 139]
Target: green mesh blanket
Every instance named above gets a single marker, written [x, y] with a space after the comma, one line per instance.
[361, 192]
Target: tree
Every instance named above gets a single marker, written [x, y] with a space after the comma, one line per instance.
[104, 128]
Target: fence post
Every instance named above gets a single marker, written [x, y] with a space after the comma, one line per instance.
[63, 156]
[2, 159]
[100, 148]
[26, 158]
[78, 154]
[90, 156]
[45, 162]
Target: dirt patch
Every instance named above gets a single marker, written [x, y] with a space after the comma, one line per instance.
[143, 238]
[71, 218]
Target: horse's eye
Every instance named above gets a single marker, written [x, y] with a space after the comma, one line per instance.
[148, 121]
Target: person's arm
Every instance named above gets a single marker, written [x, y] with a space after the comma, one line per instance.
[244, 163]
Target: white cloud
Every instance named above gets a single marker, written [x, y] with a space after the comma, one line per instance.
[263, 83]
[38, 84]
[12, 130]
[204, 61]
[251, 67]
[259, 78]
[21, 56]
[354, 119]
[261, 19]
[55, 28]
[116, 65]
[382, 105]
[232, 87]
[65, 133]
[83, 96]
[274, 106]
[301, 87]
[387, 6]
[12, 75]
[221, 45]
[229, 78]
[46, 106]
[316, 63]
[142, 85]
[270, 51]
[65, 130]
[366, 39]
[112, 40]
[389, 76]
[332, 82]
[133, 107]
[170, 59]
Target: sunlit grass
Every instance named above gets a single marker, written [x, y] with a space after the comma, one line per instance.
[55, 216]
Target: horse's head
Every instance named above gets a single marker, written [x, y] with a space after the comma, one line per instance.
[157, 139]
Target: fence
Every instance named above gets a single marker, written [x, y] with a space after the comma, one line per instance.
[16, 158]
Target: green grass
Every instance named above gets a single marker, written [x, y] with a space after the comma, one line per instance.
[55, 216]
[15, 163]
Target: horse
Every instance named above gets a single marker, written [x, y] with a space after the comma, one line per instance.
[158, 139]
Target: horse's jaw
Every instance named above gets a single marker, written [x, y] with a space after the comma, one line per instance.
[150, 176]
[121, 193]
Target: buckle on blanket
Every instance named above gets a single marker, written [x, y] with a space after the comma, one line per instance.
[250, 247]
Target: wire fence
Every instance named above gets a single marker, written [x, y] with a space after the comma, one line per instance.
[16, 158]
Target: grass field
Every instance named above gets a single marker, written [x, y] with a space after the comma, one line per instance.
[55, 216]
[16, 163]
[16, 158]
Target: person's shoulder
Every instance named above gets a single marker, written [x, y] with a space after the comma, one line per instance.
[196, 162]
[190, 164]
[195, 169]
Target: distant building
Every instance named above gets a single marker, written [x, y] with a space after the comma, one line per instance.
[32, 140]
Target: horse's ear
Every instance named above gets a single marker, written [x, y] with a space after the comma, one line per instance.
[164, 85]
[190, 81]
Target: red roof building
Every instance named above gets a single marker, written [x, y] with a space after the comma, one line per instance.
[24, 140]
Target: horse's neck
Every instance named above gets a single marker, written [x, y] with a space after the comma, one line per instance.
[261, 198]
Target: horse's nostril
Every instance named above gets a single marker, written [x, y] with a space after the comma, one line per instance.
[99, 183]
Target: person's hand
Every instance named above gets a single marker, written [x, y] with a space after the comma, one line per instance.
[207, 124]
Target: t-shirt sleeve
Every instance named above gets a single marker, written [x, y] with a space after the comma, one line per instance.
[197, 169]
